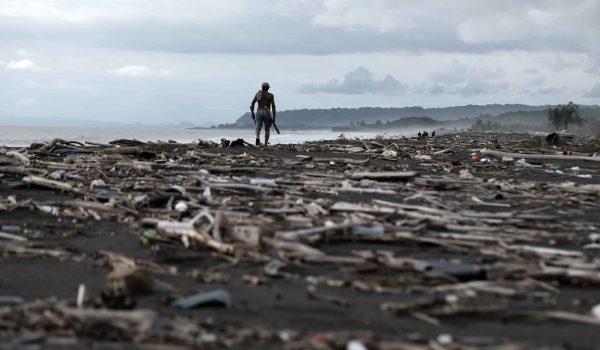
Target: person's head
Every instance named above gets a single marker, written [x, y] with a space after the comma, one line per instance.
[265, 86]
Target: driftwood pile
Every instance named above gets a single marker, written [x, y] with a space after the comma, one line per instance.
[463, 225]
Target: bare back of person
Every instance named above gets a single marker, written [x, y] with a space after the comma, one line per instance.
[266, 101]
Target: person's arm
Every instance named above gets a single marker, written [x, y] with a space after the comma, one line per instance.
[273, 108]
[252, 108]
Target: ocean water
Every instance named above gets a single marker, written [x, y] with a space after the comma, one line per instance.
[24, 136]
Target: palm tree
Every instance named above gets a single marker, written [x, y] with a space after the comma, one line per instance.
[571, 115]
[555, 117]
[565, 115]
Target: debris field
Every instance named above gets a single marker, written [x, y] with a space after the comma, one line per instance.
[460, 241]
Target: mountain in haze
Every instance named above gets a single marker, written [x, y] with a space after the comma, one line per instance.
[527, 120]
[327, 118]
[87, 123]
[205, 125]
[185, 125]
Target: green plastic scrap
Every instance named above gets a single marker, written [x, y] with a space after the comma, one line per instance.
[551, 166]
[147, 237]
[151, 234]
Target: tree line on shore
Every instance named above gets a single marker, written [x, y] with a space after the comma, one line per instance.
[489, 118]
[581, 120]
[560, 117]
[335, 117]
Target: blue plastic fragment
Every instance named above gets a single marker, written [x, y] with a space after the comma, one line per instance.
[215, 297]
[461, 271]
[65, 153]
[106, 193]
[10, 229]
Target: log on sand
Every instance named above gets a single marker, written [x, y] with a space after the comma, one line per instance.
[500, 154]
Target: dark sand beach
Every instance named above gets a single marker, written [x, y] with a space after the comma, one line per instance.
[427, 247]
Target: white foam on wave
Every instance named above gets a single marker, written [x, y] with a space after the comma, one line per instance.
[17, 136]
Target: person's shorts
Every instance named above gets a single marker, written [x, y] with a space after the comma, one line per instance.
[263, 118]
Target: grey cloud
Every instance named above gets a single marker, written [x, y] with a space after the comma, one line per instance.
[561, 63]
[454, 73]
[437, 89]
[594, 92]
[457, 72]
[594, 67]
[230, 45]
[549, 90]
[543, 91]
[249, 29]
[268, 35]
[480, 88]
[461, 79]
[468, 89]
[536, 81]
[358, 82]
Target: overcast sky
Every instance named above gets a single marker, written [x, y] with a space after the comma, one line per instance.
[158, 61]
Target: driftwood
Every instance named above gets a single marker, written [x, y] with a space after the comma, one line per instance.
[295, 247]
[91, 205]
[500, 154]
[385, 175]
[43, 182]
[310, 232]
[12, 169]
[20, 157]
[10, 236]
[139, 321]
[187, 231]
[125, 150]
[58, 144]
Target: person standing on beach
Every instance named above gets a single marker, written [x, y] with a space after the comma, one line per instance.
[266, 102]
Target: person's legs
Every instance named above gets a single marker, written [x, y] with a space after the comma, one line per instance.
[267, 134]
[267, 121]
[259, 124]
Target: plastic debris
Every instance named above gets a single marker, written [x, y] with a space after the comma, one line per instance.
[371, 231]
[596, 311]
[355, 345]
[219, 297]
[181, 207]
[97, 183]
[461, 271]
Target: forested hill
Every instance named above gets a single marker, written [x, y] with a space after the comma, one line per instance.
[325, 118]
[513, 120]
[537, 117]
